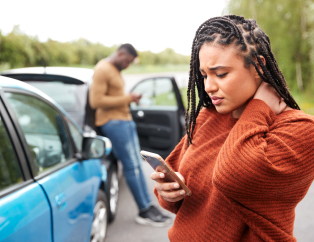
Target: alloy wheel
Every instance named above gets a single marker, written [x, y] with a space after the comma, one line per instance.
[99, 226]
[114, 192]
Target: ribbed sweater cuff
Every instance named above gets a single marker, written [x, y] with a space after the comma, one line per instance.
[170, 206]
[258, 112]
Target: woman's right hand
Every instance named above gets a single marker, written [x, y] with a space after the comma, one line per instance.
[170, 191]
[269, 95]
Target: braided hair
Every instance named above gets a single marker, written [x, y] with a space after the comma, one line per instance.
[251, 41]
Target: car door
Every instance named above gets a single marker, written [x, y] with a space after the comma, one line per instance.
[25, 213]
[70, 185]
[159, 116]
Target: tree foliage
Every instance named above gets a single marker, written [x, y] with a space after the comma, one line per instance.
[290, 27]
[20, 50]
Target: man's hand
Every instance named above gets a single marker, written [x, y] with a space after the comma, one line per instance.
[135, 97]
[269, 95]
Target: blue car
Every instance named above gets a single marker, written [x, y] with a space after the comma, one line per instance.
[69, 87]
[52, 179]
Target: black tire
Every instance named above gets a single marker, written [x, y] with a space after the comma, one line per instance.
[112, 192]
[100, 220]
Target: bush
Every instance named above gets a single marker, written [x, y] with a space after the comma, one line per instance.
[20, 50]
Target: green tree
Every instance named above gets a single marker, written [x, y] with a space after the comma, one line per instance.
[286, 22]
[16, 49]
[20, 50]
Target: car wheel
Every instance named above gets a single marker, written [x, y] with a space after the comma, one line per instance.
[113, 192]
[100, 221]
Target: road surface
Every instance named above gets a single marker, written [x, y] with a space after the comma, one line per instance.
[124, 228]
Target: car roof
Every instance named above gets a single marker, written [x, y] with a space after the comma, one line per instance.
[6, 82]
[81, 74]
[16, 84]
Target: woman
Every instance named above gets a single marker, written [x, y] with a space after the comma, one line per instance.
[248, 154]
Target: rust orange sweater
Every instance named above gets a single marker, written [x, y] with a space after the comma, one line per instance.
[246, 175]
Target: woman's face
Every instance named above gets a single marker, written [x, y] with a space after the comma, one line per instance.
[227, 82]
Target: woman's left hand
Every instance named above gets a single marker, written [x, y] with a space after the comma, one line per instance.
[269, 95]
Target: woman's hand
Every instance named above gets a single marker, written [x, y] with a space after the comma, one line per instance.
[270, 96]
[170, 191]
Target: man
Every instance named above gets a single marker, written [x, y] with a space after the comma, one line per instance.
[115, 121]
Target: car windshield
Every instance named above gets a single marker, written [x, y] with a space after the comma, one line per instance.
[72, 97]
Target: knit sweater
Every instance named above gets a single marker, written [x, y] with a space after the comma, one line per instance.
[246, 175]
[106, 94]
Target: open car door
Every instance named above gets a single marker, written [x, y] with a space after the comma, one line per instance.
[159, 116]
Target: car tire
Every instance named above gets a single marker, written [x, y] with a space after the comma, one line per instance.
[113, 192]
[100, 221]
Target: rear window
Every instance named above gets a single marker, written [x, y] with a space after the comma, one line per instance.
[72, 97]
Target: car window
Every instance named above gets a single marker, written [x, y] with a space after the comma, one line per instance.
[156, 93]
[76, 135]
[72, 97]
[10, 173]
[43, 129]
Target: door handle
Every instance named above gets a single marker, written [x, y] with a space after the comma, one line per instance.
[140, 114]
[60, 200]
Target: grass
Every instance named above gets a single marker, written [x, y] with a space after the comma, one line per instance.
[4, 66]
[305, 101]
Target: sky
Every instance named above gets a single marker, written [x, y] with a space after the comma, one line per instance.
[147, 25]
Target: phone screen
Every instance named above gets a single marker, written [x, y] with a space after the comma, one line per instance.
[154, 162]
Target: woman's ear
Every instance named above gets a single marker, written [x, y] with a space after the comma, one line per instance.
[258, 65]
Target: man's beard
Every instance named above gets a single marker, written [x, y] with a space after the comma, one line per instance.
[119, 67]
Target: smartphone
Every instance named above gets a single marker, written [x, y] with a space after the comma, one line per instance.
[158, 164]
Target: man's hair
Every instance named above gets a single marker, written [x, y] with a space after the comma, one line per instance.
[250, 41]
[129, 48]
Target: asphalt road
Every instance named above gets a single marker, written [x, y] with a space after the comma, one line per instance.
[124, 228]
[304, 219]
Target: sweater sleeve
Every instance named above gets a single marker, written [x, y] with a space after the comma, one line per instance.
[173, 160]
[258, 160]
[98, 97]
[266, 167]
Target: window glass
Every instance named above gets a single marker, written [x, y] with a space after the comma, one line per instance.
[43, 129]
[76, 135]
[72, 97]
[10, 172]
[155, 93]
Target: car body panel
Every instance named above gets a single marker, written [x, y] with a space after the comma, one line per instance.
[157, 130]
[66, 78]
[30, 219]
[72, 192]
[82, 74]
[53, 206]
[159, 127]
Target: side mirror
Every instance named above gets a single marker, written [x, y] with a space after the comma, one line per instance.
[96, 147]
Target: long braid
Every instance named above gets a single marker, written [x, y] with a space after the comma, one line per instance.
[252, 41]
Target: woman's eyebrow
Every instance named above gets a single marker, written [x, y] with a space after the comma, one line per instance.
[215, 68]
